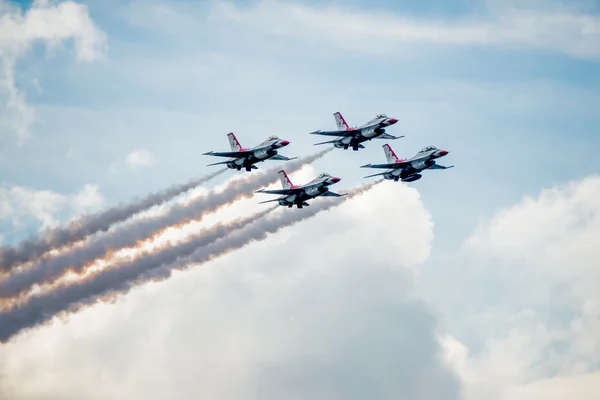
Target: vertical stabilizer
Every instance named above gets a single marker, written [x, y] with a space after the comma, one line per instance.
[285, 181]
[340, 122]
[233, 142]
[389, 154]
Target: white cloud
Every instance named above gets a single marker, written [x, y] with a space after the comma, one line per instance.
[541, 257]
[318, 311]
[20, 203]
[50, 23]
[89, 198]
[139, 158]
[25, 207]
[566, 31]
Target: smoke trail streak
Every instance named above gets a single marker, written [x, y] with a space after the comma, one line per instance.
[157, 266]
[77, 258]
[100, 285]
[86, 225]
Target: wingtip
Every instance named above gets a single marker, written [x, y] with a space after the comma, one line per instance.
[366, 166]
[208, 153]
[314, 132]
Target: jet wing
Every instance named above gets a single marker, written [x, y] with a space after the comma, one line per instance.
[336, 133]
[282, 158]
[387, 166]
[281, 191]
[233, 154]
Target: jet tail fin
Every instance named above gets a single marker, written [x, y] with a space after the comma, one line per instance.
[233, 142]
[286, 183]
[340, 122]
[390, 155]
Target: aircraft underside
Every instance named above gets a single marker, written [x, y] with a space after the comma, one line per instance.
[246, 163]
[355, 141]
[298, 201]
[405, 175]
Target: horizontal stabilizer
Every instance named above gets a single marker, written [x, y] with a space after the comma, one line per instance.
[388, 136]
[381, 173]
[329, 141]
[217, 163]
[333, 194]
[268, 201]
[437, 166]
[282, 158]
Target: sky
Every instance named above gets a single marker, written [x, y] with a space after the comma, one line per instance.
[473, 282]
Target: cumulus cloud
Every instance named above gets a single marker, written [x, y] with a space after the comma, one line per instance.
[541, 258]
[25, 207]
[47, 22]
[139, 158]
[319, 311]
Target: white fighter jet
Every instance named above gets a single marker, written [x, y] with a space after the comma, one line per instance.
[408, 170]
[246, 158]
[298, 195]
[353, 136]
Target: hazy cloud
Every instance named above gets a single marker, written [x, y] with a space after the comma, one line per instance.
[571, 32]
[24, 207]
[541, 326]
[50, 23]
[139, 158]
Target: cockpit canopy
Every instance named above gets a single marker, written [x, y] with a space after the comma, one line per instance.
[272, 138]
[378, 116]
[428, 148]
[323, 175]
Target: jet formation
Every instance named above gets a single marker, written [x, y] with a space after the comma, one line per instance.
[397, 169]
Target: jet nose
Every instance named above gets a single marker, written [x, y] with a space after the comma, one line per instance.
[442, 153]
[335, 179]
[392, 121]
[284, 142]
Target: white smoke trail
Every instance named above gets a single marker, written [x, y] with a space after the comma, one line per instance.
[86, 225]
[76, 259]
[156, 266]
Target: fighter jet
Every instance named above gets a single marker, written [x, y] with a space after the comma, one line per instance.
[298, 195]
[246, 158]
[408, 170]
[353, 137]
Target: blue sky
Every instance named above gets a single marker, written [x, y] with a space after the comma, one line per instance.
[507, 114]
[511, 89]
